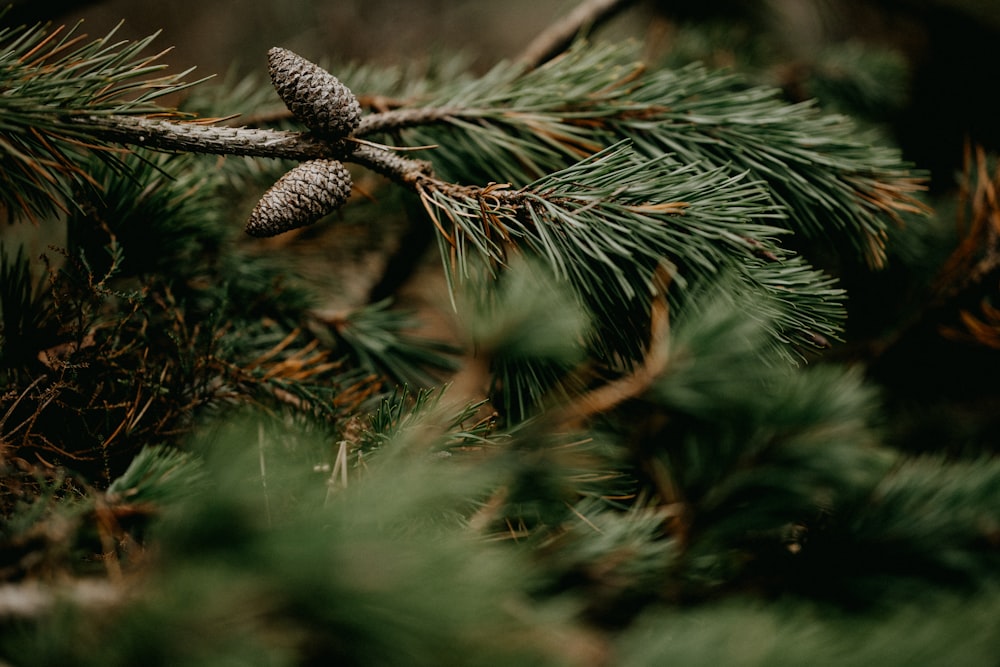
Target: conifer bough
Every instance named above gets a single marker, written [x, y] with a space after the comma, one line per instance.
[604, 170]
[522, 123]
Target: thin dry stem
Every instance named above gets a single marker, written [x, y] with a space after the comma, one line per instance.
[608, 396]
[553, 40]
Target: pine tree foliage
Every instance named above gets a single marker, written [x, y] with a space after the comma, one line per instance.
[157, 476]
[140, 323]
[603, 95]
[530, 340]
[404, 410]
[743, 633]
[152, 290]
[843, 188]
[22, 309]
[158, 208]
[50, 80]
[610, 224]
[377, 337]
[632, 463]
[297, 569]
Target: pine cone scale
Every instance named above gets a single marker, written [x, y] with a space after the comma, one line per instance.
[314, 96]
[301, 197]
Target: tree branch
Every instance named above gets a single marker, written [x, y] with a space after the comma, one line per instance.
[171, 136]
[554, 39]
[405, 171]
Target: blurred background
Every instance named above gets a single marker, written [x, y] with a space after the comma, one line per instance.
[217, 34]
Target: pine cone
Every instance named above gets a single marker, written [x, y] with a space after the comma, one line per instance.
[313, 95]
[301, 197]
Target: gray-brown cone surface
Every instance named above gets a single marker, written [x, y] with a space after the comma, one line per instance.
[313, 95]
[301, 197]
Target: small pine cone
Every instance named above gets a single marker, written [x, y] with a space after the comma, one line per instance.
[313, 95]
[301, 197]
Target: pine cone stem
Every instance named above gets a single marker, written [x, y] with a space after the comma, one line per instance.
[402, 170]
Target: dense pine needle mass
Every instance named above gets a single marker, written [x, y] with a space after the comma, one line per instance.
[633, 455]
[46, 80]
[832, 182]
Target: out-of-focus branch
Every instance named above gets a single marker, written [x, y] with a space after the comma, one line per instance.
[553, 40]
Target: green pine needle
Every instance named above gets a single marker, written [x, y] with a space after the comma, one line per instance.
[516, 126]
[158, 475]
[378, 339]
[49, 81]
[609, 224]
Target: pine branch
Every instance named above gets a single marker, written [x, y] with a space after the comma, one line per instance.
[605, 223]
[539, 121]
[601, 94]
[605, 226]
[48, 81]
[609, 211]
[834, 183]
[718, 469]
[400, 119]
[198, 137]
